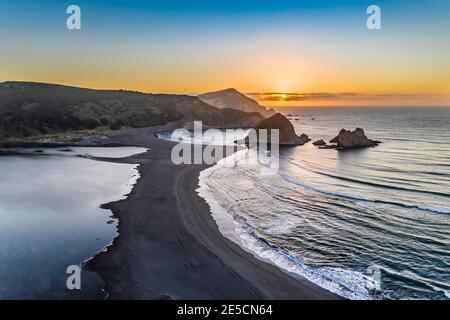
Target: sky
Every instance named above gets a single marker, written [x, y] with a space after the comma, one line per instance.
[283, 53]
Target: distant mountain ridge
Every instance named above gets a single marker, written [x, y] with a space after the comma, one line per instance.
[30, 109]
[233, 99]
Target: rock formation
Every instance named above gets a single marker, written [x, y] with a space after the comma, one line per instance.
[320, 143]
[287, 134]
[353, 139]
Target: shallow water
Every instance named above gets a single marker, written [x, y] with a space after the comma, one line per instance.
[50, 218]
[366, 224]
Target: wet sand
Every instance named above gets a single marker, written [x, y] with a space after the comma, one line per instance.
[169, 246]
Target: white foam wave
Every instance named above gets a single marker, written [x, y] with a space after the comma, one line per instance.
[350, 284]
[346, 283]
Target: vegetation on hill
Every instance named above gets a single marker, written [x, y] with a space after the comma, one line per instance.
[34, 109]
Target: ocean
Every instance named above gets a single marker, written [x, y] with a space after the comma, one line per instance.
[366, 224]
[50, 218]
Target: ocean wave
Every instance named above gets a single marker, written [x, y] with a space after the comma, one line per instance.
[411, 277]
[343, 282]
[369, 183]
[355, 197]
[346, 283]
[445, 292]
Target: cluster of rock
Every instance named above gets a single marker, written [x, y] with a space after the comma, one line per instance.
[320, 143]
[347, 139]
[288, 137]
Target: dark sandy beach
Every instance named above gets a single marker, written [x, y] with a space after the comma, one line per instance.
[169, 246]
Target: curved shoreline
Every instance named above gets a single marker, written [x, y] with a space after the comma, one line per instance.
[235, 231]
[169, 246]
[114, 219]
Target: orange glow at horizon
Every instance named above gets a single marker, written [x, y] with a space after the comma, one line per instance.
[283, 68]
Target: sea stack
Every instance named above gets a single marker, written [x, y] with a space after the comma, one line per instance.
[320, 143]
[353, 139]
[288, 137]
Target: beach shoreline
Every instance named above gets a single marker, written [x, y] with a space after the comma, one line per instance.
[170, 247]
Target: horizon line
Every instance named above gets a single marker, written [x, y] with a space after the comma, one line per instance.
[274, 96]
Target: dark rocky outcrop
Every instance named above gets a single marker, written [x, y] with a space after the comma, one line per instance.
[353, 139]
[233, 99]
[288, 136]
[320, 143]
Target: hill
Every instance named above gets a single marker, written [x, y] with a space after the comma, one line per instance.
[233, 99]
[30, 109]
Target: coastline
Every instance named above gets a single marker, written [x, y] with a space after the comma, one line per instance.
[170, 247]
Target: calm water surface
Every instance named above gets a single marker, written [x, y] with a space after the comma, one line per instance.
[50, 218]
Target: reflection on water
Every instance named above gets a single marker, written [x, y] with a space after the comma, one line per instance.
[50, 218]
